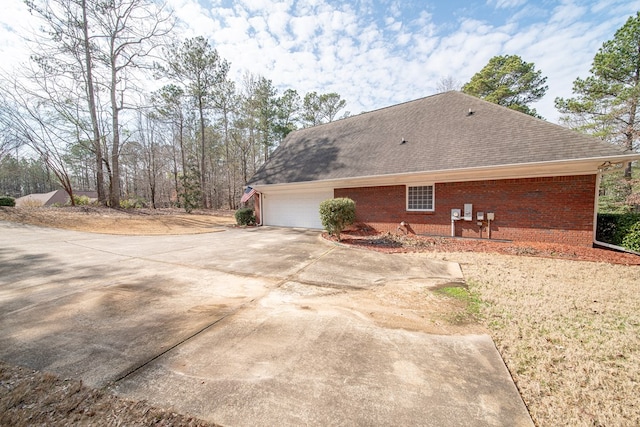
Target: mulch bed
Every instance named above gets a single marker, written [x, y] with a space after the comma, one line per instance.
[399, 243]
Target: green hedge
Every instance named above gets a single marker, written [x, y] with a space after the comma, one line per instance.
[632, 238]
[614, 228]
[7, 201]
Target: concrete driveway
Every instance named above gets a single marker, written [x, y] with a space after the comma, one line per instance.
[247, 327]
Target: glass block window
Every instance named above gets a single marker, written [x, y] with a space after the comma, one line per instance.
[420, 198]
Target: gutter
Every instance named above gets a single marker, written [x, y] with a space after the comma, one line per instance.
[584, 166]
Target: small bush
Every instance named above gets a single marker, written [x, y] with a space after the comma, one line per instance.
[245, 216]
[133, 203]
[7, 201]
[337, 214]
[81, 200]
[632, 238]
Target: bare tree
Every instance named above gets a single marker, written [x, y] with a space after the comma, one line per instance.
[169, 108]
[43, 127]
[127, 32]
[103, 45]
[64, 49]
[448, 83]
[8, 141]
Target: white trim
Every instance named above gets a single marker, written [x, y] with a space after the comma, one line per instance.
[433, 198]
[512, 171]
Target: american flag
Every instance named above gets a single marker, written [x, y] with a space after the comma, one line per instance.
[248, 193]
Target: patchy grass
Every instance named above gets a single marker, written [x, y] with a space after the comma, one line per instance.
[470, 300]
[569, 332]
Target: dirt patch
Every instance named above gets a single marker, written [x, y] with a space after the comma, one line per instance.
[399, 305]
[125, 222]
[30, 398]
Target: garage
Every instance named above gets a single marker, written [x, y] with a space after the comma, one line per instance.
[294, 209]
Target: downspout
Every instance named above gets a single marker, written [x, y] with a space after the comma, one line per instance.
[595, 206]
[259, 195]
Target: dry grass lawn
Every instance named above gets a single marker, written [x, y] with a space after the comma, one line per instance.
[117, 221]
[569, 332]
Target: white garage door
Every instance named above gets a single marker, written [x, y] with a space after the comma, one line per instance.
[294, 209]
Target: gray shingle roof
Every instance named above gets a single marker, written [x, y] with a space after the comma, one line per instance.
[440, 134]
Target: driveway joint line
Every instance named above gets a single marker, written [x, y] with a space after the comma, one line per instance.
[206, 327]
[140, 366]
[120, 254]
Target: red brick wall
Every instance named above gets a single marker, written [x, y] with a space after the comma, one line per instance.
[553, 209]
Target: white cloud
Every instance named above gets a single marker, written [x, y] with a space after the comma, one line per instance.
[377, 53]
[14, 21]
[506, 4]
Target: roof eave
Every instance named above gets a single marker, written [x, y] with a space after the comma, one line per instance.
[568, 167]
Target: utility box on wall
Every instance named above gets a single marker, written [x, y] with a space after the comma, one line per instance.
[468, 212]
[455, 214]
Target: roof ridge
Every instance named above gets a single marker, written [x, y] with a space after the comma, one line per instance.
[378, 109]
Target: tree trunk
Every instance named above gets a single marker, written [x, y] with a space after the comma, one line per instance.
[114, 188]
[630, 133]
[203, 161]
[92, 107]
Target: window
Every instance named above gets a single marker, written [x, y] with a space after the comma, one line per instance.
[420, 198]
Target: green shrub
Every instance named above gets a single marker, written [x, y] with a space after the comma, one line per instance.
[133, 203]
[632, 238]
[245, 216]
[337, 214]
[81, 200]
[7, 201]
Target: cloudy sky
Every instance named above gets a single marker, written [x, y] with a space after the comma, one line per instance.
[377, 53]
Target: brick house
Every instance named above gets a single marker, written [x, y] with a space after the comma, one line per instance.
[448, 164]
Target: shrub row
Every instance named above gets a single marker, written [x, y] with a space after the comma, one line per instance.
[621, 229]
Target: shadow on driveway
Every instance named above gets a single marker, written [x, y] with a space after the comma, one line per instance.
[244, 328]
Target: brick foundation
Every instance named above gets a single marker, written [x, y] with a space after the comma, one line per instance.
[552, 209]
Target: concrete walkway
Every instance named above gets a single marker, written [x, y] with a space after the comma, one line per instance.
[243, 327]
